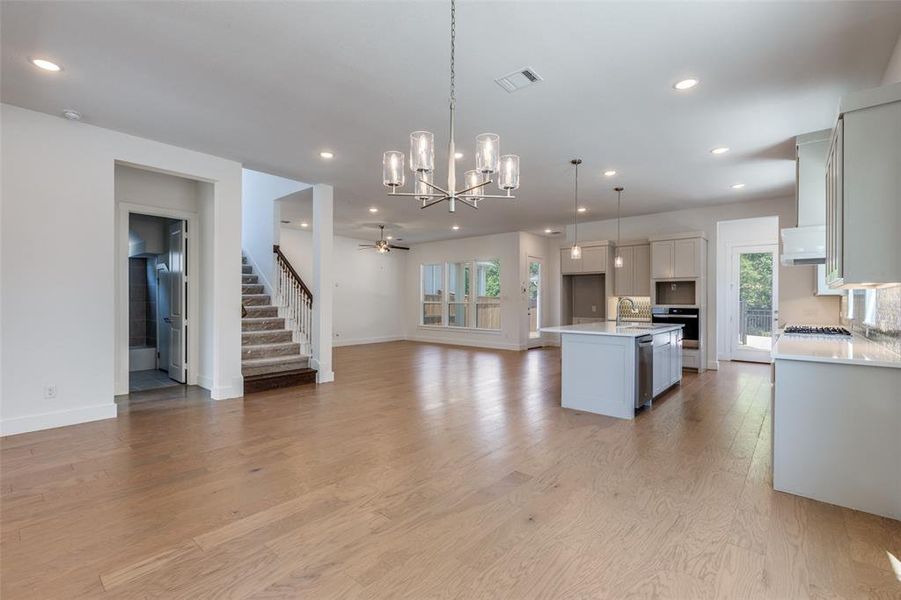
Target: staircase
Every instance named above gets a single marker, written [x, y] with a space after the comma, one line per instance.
[270, 358]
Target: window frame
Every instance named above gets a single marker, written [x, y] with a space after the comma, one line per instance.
[471, 302]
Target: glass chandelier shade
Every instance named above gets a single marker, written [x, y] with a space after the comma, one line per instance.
[618, 261]
[470, 180]
[422, 151]
[421, 185]
[487, 152]
[508, 176]
[393, 169]
[575, 252]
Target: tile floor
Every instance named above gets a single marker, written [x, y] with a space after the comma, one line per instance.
[149, 380]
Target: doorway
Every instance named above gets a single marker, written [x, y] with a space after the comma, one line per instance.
[753, 302]
[157, 290]
[534, 298]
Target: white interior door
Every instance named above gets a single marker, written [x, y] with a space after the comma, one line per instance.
[177, 292]
[533, 298]
[753, 301]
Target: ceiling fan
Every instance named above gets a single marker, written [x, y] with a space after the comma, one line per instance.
[382, 246]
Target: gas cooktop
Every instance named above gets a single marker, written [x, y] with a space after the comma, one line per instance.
[816, 330]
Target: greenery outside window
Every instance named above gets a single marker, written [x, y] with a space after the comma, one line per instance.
[458, 294]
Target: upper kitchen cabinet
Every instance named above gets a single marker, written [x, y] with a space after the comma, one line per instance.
[681, 256]
[634, 277]
[594, 259]
[810, 184]
[863, 191]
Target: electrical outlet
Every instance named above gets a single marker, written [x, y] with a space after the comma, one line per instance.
[50, 391]
[594, 308]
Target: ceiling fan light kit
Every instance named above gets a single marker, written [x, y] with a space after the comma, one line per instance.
[382, 245]
[491, 166]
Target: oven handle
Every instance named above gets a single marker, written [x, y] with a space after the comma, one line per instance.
[675, 316]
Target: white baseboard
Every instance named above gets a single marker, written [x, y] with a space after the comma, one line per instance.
[205, 381]
[325, 376]
[713, 365]
[60, 418]
[360, 341]
[455, 341]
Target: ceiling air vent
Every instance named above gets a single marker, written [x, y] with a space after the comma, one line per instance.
[518, 79]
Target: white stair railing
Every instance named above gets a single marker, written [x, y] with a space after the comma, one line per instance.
[294, 301]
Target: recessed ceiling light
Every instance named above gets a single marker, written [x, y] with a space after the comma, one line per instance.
[458, 155]
[45, 64]
[719, 150]
[548, 230]
[609, 173]
[72, 115]
[455, 227]
[582, 209]
[685, 84]
[389, 237]
[304, 224]
[737, 186]
[327, 154]
[373, 210]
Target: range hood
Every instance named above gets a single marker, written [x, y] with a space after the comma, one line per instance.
[804, 245]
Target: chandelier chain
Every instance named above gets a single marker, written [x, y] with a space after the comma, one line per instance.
[453, 97]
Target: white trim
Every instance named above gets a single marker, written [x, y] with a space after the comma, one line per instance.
[59, 418]
[460, 329]
[713, 365]
[123, 211]
[337, 342]
[466, 342]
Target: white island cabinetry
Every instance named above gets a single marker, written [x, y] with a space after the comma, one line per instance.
[601, 365]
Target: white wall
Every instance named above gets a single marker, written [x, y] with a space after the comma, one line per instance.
[794, 301]
[893, 68]
[368, 287]
[259, 224]
[58, 323]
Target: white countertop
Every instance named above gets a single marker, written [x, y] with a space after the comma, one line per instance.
[853, 350]
[610, 328]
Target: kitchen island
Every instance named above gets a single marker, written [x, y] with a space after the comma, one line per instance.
[611, 369]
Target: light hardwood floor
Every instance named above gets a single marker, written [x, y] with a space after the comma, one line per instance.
[428, 472]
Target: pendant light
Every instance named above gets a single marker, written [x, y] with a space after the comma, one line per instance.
[575, 252]
[618, 261]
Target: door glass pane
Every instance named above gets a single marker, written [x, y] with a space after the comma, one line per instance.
[534, 287]
[488, 294]
[755, 300]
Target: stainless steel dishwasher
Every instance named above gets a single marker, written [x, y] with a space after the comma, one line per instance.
[644, 370]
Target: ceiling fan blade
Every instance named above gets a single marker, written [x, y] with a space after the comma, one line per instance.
[393, 247]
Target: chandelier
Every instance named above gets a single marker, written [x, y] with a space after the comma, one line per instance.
[489, 163]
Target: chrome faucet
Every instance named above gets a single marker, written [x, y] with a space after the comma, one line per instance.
[619, 313]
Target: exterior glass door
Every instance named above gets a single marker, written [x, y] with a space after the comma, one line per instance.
[754, 302]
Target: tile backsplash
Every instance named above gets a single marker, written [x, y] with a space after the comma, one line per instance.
[642, 308]
[884, 326]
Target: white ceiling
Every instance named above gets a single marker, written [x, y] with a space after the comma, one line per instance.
[272, 83]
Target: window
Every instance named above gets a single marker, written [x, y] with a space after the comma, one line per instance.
[473, 297]
[432, 296]
[488, 294]
[458, 275]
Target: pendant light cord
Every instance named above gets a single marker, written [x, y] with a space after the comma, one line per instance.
[619, 196]
[577, 162]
